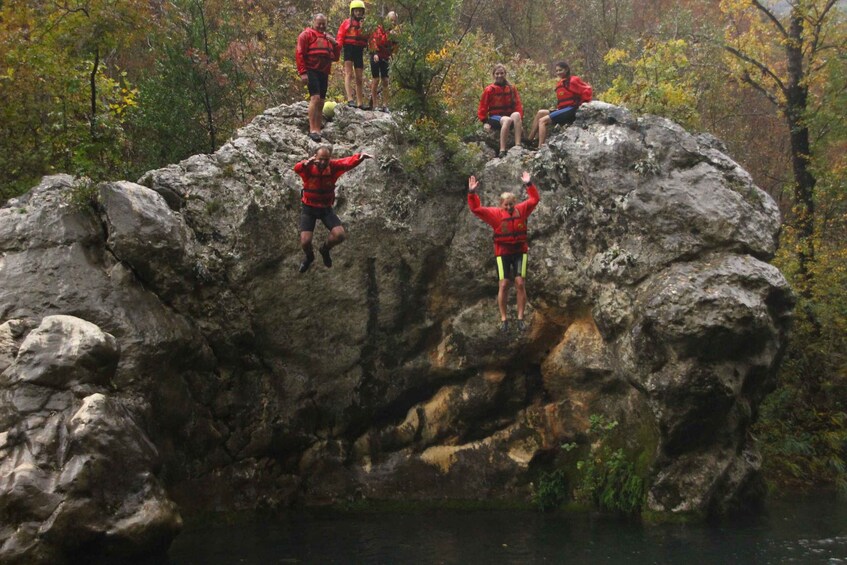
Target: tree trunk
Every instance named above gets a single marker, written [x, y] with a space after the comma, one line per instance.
[797, 95]
[92, 122]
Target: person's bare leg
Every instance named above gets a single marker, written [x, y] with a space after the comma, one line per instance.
[520, 291]
[374, 91]
[385, 92]
[505, 124]
[336, 236]
[360, 87]
[502, 297]
[518, 125]
[543, 124]
[348, 79]
[533, 131]
[316, 106]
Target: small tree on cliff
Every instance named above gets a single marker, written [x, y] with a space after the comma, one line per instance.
[780, 52]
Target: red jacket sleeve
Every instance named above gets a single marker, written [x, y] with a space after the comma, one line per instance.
[482, 111]
[300, 169]
[342, 31]
[527, 206]
[490, 216]
[341, 166]
[582, 88]
[299, 53]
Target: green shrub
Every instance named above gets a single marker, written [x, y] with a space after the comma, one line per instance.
[551, 491]
[608, 476]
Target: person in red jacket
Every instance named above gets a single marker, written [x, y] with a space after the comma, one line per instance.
[571, 93]
[316, 50]
[381, 47]
[353, 40]
[509, 221]
[319, 173]
[500, 108]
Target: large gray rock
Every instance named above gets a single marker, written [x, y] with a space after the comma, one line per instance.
[77, 474]
[652, 303]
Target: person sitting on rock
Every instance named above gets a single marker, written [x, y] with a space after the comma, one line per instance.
[571, 93]
[353, 40]
[319, 173]
[316, 50]
[509, 221]
[500, 108]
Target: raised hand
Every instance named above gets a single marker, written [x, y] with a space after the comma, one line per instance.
[472, 184]
[525, 177]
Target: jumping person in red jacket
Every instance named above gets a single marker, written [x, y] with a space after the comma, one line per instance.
[571, 93]
[353, 40]
[316, 50]
[319, 174]
[509, 221]
[381, 47]
[500, 108]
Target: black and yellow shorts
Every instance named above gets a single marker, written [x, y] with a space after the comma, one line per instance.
[511, 266]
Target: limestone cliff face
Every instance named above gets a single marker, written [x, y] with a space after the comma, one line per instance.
[651, 303]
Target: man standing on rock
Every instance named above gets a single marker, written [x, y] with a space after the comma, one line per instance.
[319, 174]
[316, 50]
[509, 221]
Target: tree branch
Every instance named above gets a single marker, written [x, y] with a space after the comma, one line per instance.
[764, 91]
[765, 70]
[771, 17]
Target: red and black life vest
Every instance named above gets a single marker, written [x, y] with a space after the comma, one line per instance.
[319, 187]
[511, 231]
[353, 34]
[319, 48]
[502, 100]
[565, 96]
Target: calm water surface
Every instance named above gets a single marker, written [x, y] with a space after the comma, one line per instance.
[811, 529]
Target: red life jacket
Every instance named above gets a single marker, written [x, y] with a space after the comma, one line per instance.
[353, 34]
[319, 186]
[502, 101]
[565, 96]
[320, 49]
[511, 232]
[381, 44]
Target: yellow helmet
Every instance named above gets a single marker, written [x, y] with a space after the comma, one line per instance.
[356, 4]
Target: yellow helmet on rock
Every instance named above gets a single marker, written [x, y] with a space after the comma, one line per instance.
[356, 4]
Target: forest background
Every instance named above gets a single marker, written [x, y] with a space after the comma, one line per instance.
[108, 89]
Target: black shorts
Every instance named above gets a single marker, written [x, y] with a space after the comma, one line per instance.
[318, 83]
[564, 116]
[511, 266]
[494, 121]
[309, 216]
[379, 69]
[356, 54]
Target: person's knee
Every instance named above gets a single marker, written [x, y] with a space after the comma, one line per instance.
[516, 118]
[338, 234]
[305, 239]
[505, 122]
[541, 113]
[520, 284]
[546, 120]
[504, 284]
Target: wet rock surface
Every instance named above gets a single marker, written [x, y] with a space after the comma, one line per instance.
[652, 303]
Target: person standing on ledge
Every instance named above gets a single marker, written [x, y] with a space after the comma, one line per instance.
[500, 108]
[353, 41]
[316, 50]
[319, 173]
[509, 221]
